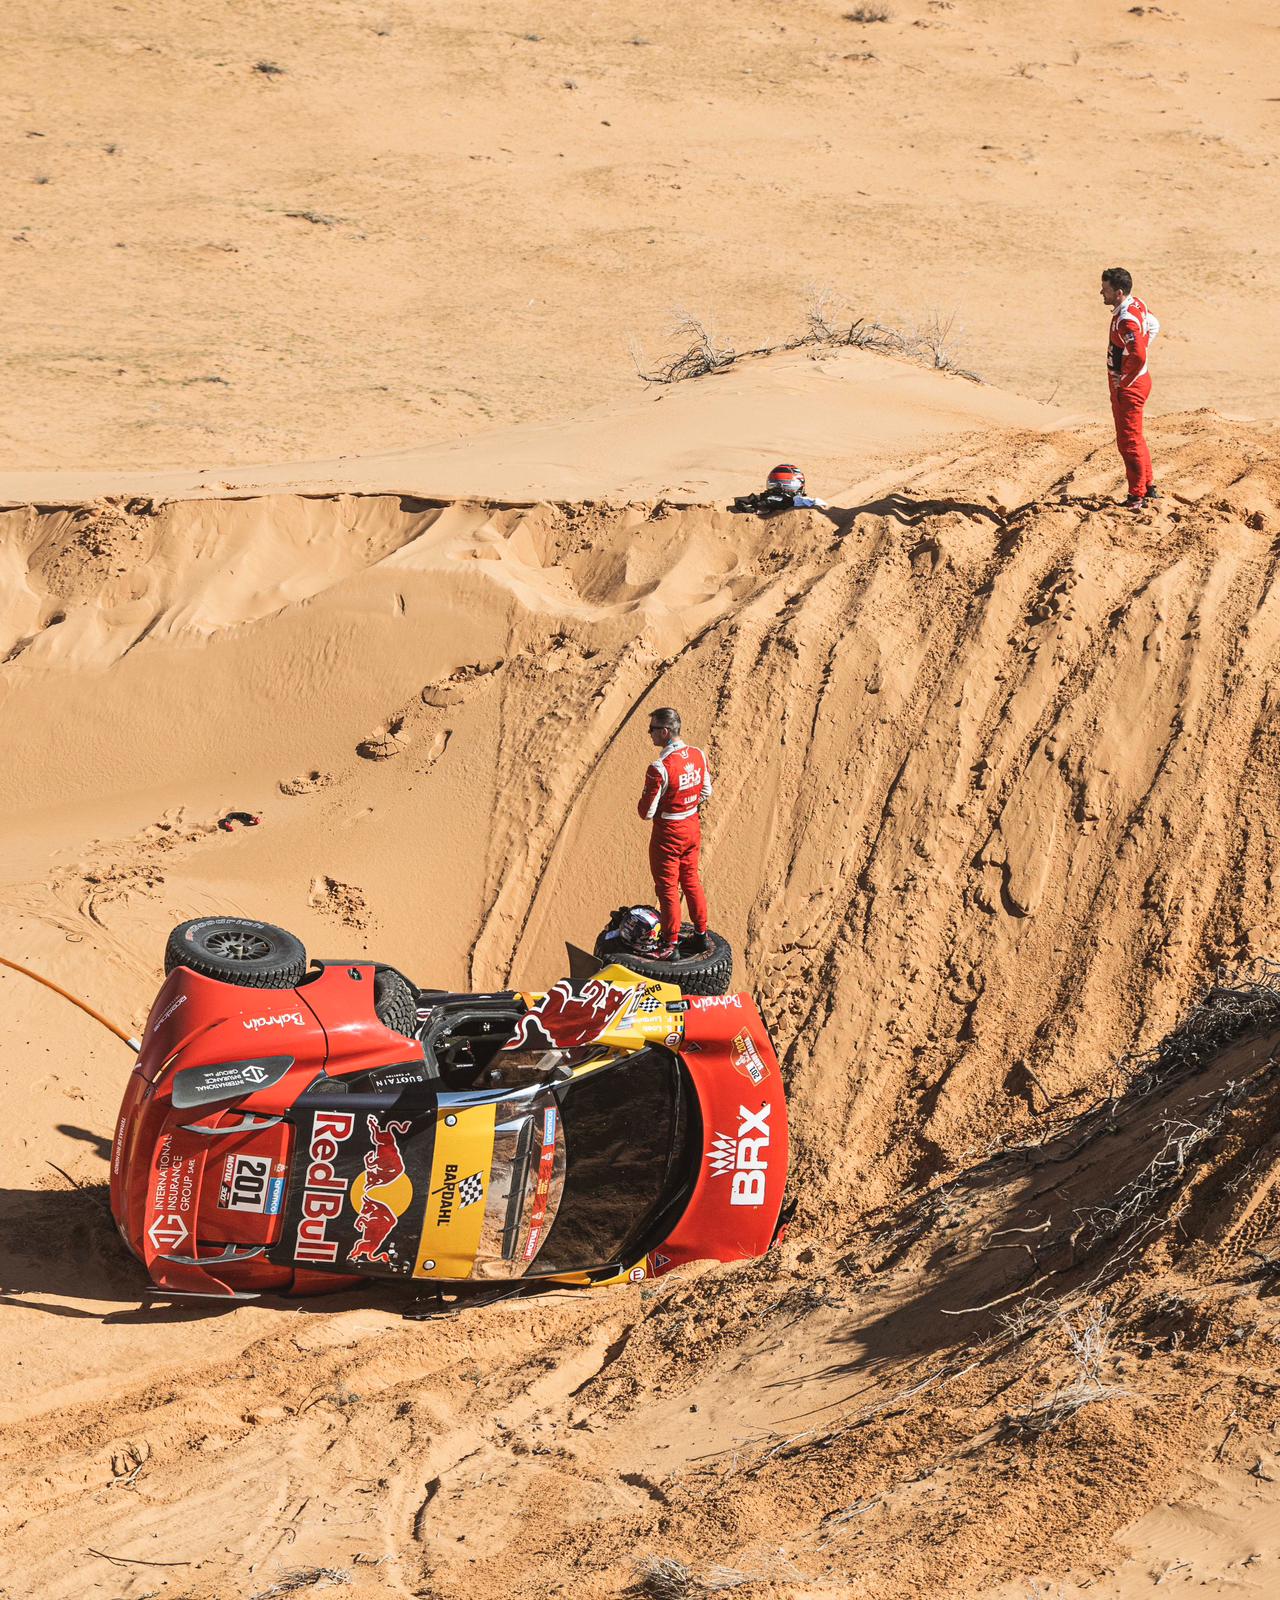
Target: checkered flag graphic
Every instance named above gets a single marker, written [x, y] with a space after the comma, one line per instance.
[649, 1005]
[470, 1190]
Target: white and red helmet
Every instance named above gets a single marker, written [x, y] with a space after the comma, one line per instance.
[787, 479]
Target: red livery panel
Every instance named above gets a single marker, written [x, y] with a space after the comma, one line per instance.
[737, 1196]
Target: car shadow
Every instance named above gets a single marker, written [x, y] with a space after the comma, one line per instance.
[62, 1244]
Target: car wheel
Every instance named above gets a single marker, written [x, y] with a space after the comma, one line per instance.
[254, 955]
[396, 1001]
[708, 973]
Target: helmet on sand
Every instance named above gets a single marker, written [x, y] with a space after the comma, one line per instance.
[787, 479]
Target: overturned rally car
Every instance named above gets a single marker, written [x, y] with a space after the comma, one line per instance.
[297, 1129]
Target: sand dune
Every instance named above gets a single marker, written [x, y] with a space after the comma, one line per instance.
[329, 492]
[994, 800]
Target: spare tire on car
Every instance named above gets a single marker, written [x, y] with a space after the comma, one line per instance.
[255, 955]
[396, 1001]
[708, 972]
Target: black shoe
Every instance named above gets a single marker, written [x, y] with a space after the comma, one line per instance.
[1152, 492]
[700, 945]
[666, 952]
[1134, 502]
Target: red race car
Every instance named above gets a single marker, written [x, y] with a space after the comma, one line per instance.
[297, 1129]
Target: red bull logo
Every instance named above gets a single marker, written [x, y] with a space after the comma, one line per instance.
[568, 1017]
[381, 1194]
[323, 1190]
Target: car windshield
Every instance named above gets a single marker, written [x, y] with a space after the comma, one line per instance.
[626, 1129]
[580, 1169]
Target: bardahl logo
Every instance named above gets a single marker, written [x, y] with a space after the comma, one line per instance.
[447, 1191]
[280, 1020]
[323, 1190]
[744, 1156]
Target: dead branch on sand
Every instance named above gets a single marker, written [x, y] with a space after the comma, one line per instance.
[829, 325]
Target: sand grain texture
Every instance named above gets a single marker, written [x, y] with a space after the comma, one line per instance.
[328, 492]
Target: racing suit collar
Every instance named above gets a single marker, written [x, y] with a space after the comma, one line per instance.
[672, 744]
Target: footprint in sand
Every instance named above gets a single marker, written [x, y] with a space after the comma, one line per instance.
[344, 901]
[420, 718]
[307, 783]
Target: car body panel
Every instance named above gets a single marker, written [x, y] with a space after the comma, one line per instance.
[286, 1140]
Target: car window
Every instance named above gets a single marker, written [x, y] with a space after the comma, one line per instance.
[624, 1129]
[525, 1185]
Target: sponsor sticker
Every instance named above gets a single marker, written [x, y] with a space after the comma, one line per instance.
[546, 1166]
[381, 1193]
[454, 1217]
[716, 1002]
[744, 1156]
[570, 1015]
[746, 1058]
[324, 1192]
[248, 1185]
[173, 1193]
[196, 1086]
[174, 1005]
[281, 1019]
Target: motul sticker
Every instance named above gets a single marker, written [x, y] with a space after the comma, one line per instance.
[744, 1156]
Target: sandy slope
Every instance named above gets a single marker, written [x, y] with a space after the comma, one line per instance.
[996, 793]
[432, 218]
[329, 492]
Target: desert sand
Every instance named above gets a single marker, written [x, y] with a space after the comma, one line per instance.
[996, 768]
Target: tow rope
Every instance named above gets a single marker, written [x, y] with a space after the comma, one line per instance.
[134, 1044]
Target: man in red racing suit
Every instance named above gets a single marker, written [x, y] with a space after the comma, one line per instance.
[675, 786]
[1132, 329]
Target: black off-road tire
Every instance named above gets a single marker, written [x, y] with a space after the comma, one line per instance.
[396, 1001]
[254, 955]
[711, 973]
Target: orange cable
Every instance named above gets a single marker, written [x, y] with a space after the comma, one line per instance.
[74, 999]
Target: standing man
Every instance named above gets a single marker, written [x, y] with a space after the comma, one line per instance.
[1132, 330]
[675, 787]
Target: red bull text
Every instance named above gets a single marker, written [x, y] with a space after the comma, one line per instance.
[324, 1191]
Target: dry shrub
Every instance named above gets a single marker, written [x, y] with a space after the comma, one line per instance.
[829, 324]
